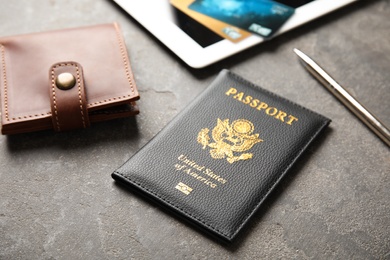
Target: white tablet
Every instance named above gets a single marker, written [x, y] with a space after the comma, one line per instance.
[198, 46]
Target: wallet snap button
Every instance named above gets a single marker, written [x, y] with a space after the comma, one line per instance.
[65, 81]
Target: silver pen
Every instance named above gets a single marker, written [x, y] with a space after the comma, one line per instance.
[347, 99]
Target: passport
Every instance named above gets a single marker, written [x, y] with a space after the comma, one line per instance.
[217, 160]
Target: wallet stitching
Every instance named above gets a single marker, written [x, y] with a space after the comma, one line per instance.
[53, 91]
[5, 81]
[124, 57]
[126, 66]
[107, 100]
[4, 75]
[79, 91]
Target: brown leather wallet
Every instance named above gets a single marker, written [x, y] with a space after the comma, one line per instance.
[65, 79]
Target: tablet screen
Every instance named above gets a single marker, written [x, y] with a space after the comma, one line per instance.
[200, 32]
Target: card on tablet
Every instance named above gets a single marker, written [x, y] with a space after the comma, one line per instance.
[262, 17]
[227, 31]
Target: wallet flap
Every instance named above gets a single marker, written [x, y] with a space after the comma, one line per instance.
[67, 97]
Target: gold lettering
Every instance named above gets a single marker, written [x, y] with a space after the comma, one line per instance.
[231, 91]
[221, 180]
[239, 96]
[281, 115]
[262, 106]
[254, 103]
[211, 174]
[184, 188]
[292, 119]
[273, 112]
[247, 100]
[196, 171]
[200, 178]
[193, 164]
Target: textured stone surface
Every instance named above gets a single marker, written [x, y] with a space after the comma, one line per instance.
[58, 201]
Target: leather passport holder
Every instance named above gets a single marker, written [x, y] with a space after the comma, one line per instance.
[65, 79]
[216, 162]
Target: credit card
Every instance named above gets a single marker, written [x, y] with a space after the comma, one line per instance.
[262, 17]
[227, 31]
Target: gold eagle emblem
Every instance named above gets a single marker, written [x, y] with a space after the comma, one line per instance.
[229, 139]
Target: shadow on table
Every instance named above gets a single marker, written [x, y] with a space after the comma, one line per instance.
[117, 130]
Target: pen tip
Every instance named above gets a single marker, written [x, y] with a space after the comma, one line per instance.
[297, 52]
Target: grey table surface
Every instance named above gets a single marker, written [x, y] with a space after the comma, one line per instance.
[58, 201]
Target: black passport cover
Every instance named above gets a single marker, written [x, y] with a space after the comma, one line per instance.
[216, 162]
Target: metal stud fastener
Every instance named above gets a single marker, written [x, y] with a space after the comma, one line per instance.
[65, 81]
